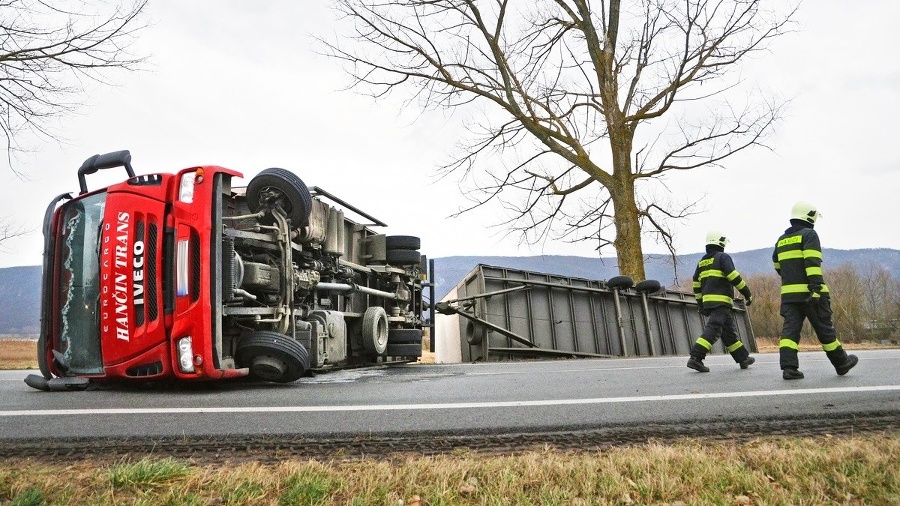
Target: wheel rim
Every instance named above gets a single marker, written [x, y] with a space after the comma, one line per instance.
[271, 356]
[275, 197]
[375, 330]
[268, 368]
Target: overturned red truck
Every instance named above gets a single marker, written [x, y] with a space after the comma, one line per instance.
[188, 276]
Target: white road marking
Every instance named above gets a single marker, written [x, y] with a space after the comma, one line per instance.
[451, 405]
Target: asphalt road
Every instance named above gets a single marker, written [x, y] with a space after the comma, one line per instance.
[484, 398]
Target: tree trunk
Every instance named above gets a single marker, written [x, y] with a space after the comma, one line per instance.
[629, 250]
[628, 233]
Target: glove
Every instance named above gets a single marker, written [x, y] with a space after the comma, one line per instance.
[748, 300]
[813, 299]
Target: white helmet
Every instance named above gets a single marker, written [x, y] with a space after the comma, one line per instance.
[806, 212]
[716, 238]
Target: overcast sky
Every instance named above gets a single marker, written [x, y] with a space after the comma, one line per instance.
[238, 84]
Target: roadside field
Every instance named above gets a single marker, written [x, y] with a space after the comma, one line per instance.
[823, 470]
[18, 354]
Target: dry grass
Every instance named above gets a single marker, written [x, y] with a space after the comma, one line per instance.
[427, 355]
[18, 354]
[825, 470]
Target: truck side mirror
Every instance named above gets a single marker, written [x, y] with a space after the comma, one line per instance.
[107, 161]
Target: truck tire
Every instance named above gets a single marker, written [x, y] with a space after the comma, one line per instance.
[403, 257]
[271, 356]
[620, 282]
[475, 333]
[375, 330]
[402, 242]
[281, 187]
[405, 336]
[648, 286]
[404, 350]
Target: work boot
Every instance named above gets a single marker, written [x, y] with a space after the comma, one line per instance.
[697, 365]
[847, 365]
[746, 362]
[791, 373]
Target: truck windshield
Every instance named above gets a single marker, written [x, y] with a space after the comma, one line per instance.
[79, 283]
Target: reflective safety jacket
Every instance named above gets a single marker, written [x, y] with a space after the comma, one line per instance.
[798, 259]
[715, 280]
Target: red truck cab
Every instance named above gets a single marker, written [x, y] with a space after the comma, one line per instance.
[180, 276]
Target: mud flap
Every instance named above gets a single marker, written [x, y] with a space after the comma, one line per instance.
[57, 384]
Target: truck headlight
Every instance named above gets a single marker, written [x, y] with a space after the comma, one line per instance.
[186, 188]
[185, 354]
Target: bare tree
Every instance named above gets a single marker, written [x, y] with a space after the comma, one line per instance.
[564, 86]
[9, 230]
[848, 299]
[881, 304]
[765, 310]
[49, 51]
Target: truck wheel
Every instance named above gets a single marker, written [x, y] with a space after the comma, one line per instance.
[648, 285]
[404, 350]
[281, 187]
[620, 282]
[375, 330]
[404, 336]
[271, 356]
[475, 334]
[403, 257]
[402, 242]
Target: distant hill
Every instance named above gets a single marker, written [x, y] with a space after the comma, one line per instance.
[20, 300]
[20, 287]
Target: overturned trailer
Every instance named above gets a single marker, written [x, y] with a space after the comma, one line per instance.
[498, 313]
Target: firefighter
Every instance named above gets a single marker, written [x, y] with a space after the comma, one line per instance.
[714, 282]
[804, 294]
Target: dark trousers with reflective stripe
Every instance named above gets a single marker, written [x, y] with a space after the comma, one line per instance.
[720, 322]
[819, 316]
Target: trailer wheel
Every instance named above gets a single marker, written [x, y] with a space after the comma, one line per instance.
[271, 356]
[404, 350]
[620, 282]
[403, 257]
[402, 242]
[280, 187]
[405, 336]
[475, 334]
[648, 285]
[375, 330]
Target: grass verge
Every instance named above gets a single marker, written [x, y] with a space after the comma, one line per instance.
[825, 470]
[18, 354]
